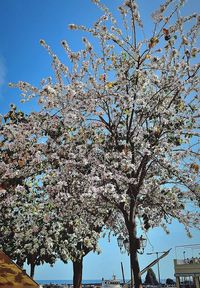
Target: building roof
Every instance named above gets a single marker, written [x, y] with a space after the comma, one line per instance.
[12, 276]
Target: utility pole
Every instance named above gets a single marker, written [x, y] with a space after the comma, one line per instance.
[123, 273]
[184, 256]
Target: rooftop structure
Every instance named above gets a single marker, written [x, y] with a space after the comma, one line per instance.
[12, 276]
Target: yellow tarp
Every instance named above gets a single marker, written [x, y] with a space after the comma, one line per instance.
[12, 276]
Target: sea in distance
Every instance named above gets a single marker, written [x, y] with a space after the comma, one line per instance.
[70, 282]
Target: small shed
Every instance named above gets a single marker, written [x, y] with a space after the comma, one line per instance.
[12, 276]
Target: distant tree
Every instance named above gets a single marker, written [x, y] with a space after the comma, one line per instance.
[170, 281]
[150, 278]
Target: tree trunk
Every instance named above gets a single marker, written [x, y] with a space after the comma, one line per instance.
[77, 270]
[133, 244]
[20, 263]
[32, 269]
[135, 268]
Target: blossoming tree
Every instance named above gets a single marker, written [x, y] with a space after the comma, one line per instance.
[81, 216]
[27, 234]
[136, 102]
[46, 211]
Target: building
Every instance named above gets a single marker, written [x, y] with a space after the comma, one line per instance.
[187, 267]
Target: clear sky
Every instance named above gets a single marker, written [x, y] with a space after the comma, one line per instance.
[22, 24]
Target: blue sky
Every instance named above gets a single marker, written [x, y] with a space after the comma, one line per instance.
[22, 24]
